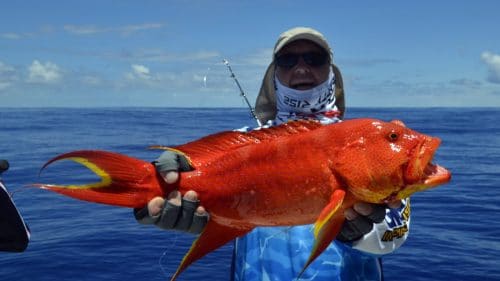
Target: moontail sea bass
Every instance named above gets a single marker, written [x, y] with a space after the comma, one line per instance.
[300, 172]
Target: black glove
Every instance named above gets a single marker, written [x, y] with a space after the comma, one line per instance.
[353, 230]
[171, 161]
[4, 166]
[183, 217]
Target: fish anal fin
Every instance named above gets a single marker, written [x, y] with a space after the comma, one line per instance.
[214, 235]
[327, 226]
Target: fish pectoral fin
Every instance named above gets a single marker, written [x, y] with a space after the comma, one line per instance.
[214, 235]
[327, 226]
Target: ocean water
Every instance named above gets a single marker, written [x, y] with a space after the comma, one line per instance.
[454, 234]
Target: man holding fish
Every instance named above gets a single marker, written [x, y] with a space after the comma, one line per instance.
[302, 82]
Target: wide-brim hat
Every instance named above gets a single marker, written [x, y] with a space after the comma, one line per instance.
[302, 33]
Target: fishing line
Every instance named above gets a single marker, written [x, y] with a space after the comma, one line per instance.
[14, 191]
[242, 93]
[205, 78]
[164, 254]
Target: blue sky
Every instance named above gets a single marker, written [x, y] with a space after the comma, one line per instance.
[169, 53]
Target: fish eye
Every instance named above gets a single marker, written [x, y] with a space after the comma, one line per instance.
[393, 136]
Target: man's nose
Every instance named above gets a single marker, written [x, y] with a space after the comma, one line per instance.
[302, 67]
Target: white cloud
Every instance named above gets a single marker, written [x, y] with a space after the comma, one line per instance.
[260, 58]
[177, 80]
[10, 36]
[139, 72]
[465, 82]
[201, 55]
[44, 73]
[83, 30]
[124, 30]
[8, 76]
[91, 80]
[493, 63]
[157, 55]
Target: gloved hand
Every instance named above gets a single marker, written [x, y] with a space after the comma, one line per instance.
[169, 164]
[176, 212]
[360, 219]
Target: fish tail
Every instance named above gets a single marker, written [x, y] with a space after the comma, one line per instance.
[124, 181]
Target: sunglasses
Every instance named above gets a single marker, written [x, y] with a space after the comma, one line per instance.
[314, 59]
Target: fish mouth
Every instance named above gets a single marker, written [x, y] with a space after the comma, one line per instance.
[420, 173]
[419, 166]
[435, 175]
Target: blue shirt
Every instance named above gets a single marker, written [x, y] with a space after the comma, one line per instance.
[279, 253]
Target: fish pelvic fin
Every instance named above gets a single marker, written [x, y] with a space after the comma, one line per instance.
[327, 226]
[214, 235]
[125, 181]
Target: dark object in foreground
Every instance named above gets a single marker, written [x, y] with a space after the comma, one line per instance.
[14, 234]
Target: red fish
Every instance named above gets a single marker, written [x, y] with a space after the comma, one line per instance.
[297, 173]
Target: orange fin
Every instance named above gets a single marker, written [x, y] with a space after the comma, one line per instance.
[327, 226]
[162, 147]
[214, 235]
[211, 146]
[125, 181]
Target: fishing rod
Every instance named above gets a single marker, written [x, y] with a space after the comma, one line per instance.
[242, 93]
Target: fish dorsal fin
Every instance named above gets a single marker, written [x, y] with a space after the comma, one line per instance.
[222, 142]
